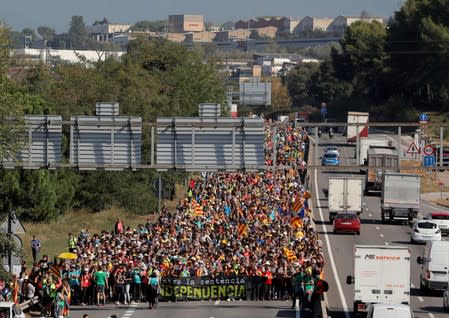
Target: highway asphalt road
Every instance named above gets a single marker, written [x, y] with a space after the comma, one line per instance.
[339, 254]
[195, 309]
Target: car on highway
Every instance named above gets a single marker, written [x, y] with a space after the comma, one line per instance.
[424, 231]
[330, 159]
[331, 149]
[389, 311]
[446, 300]
[441, 218]
[348, 222]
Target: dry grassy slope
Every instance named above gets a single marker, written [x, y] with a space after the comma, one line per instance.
[53, 235]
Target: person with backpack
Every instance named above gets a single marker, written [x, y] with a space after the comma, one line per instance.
[153, 291]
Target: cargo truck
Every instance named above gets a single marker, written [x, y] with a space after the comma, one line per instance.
[367, 143]
[361, 129]
[379, 161]
[345, 194]
[381, 275]
[401, 196]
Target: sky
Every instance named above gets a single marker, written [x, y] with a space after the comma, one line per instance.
[57, 14]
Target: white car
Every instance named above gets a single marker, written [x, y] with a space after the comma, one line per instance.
[424, 230]
[389, 311]
[446, 300]
[331, 149]
[441, 218]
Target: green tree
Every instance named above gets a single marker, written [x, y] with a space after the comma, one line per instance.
[11, 127]
[418, 42]
[299, 81]
[153, 26]
[77, 33]
[29, 32]
[362, 61]
[46, 33]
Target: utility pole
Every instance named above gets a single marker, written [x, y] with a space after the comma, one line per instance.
[9, 235]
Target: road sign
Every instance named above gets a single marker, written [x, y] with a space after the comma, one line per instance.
[413, 149]
[16, 226]
[423, 118]
[428, 150]
[429, 161]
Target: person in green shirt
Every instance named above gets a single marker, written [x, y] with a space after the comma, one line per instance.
[101, 281]
[297, 286]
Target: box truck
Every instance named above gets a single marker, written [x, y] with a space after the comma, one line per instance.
[345, 194]
[367, 143]
[361, 129]
[380, 160]
[381, 275]
[401, 196]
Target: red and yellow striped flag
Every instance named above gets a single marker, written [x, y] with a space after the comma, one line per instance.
[55, 270]
[307, 195]
[291, 256]
[199, 210]
[296, 222]
[297, 205]
[242, 230]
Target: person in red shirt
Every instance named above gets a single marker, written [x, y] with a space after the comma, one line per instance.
[268, 282]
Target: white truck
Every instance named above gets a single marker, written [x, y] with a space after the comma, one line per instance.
[345, 194]
[381, 275]
[361, 129]
[401, 196]
[369, 142]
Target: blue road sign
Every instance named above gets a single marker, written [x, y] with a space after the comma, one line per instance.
[423, 117]
[429, 161]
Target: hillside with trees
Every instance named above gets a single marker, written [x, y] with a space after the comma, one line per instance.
[390, 71]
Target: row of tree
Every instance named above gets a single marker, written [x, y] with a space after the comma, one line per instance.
[388, 71]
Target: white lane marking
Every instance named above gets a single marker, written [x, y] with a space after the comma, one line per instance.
[298, 311]
[331, 257]
[386, 243]
[420, 299]
[377, 227]
[381, 235]
[431, 315]
[412, 285]
[217, 302]
[370, 215]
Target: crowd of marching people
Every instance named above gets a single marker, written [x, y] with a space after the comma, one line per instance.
[256, 225]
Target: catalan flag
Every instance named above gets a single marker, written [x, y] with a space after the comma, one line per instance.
[55, 270]
[242, 230]
[306, 195]
[199, 210]
[291, 256]
[297, 204]
[296, 222]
